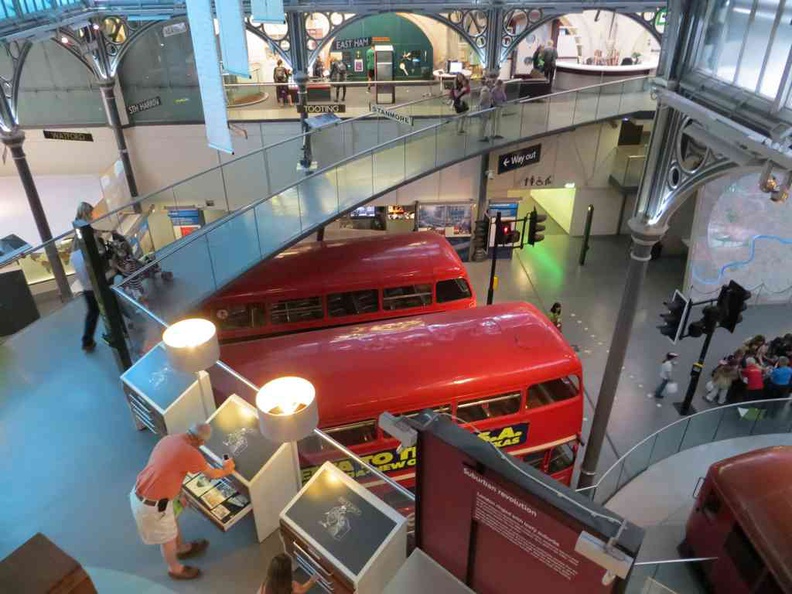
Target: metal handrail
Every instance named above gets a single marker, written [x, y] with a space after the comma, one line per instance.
[195, 236]
[685, 419]
[670, 561]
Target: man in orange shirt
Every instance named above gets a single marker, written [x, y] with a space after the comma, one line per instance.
[157, 487]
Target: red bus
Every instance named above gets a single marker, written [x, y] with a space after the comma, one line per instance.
[334, 283]
[502, 370]
[743, 516]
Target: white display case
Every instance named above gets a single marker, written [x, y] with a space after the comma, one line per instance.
[163, 399]
[339, 531]
[267, 474]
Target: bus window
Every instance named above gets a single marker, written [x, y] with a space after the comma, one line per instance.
[712, 504]
[452, 290]
[352, 303]
[404, 297]
[441, 410]
[561, 458]
[297, 310]
[552, 391]
[535, 459]
[354, 434]
[486, 408]
[744, 556]
[235, 317]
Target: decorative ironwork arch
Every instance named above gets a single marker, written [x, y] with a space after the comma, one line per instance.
[439, 17]
[17, 52]
[537, 17]
[101, 46]
[280, 46]
[649, 20]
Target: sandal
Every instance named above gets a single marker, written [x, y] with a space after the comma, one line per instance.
[196, 548]
[188, 573]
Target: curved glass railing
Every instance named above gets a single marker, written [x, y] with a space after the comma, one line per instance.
[743, 419]
[356, 163]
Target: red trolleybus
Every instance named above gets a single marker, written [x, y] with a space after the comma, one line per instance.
[335, 283]
[743, 516]
[503, 370]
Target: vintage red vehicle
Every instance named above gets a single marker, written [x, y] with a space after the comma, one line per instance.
[503, 371]
[333, 283]
[743, 516]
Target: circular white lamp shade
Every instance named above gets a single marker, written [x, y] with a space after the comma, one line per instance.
[192, 345]
[287, 409]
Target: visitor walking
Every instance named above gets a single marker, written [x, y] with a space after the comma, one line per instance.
[538, 64]
[549, 57]
[338, 74]
[370, 69]
[459, 91]
[85, 213]
[498, 100]
[666, 376]
[157, 489]
[555, 315]
[779, 379]
[485, 107]
[281, 77]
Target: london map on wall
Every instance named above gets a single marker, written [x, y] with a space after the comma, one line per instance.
[740, 234]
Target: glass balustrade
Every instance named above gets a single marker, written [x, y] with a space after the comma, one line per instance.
[356, 160]
[742, 419]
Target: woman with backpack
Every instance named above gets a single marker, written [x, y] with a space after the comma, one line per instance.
[281, 77]
[459, 91]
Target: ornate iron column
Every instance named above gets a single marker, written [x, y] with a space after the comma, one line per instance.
[13, 137]
[299, 59]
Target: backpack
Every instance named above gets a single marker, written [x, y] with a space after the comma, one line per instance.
[280, 74]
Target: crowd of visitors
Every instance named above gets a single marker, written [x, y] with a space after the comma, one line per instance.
[757, 370]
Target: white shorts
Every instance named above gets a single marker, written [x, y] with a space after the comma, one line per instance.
[154, 527]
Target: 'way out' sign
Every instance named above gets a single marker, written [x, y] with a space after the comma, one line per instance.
[521, 158]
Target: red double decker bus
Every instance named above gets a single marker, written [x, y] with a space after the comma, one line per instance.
[334, 283]
[743, 519]
[503, 371]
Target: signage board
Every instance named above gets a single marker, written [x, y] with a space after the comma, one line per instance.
[326, 108]
[174, 29]
[64, 135]
[348, 44]
[144, 105]
[520, 158]
[392, 115]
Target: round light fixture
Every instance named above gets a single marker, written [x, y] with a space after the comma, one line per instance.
[287, 409]
[192, 345]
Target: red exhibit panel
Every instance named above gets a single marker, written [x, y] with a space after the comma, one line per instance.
[497, 524]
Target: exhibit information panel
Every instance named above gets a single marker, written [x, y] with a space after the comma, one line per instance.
[154, 377]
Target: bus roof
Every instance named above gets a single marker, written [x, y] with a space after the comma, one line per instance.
[367, 262]
[407, 364]
[757, 486]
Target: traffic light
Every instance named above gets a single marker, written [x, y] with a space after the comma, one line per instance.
[731, 303]
[707, 323]
[675, 317]
[535, 227]
[508, 235]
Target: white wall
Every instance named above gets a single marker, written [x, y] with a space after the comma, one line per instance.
[622, 33]
[60, 195]
[458, 183]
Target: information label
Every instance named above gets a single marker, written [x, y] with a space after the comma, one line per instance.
[174, 29]
[63, 135]
[144, 105]
[521, 158]
[392, 115]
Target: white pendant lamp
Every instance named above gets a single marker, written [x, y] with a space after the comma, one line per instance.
[287, 409]
[192, 345]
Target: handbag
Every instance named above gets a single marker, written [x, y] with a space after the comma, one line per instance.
[671, 388]
[461, 106]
